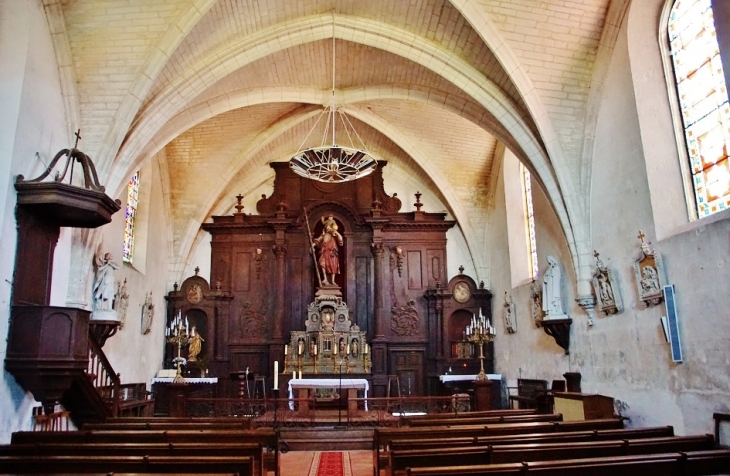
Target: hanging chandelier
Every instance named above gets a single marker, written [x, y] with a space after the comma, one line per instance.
[332, 162]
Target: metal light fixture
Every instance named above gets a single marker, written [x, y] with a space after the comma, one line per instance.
[332, 162]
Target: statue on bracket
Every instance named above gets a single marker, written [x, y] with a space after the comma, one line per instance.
[552, 299]
[607, 293]
[649, 272]
[508, 311]
[104, 288]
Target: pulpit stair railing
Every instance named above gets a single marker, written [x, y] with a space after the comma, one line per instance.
[102, 376]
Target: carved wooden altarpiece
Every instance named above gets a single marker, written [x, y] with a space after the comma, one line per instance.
[388, 260]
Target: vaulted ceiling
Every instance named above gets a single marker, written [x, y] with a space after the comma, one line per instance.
[220, 88]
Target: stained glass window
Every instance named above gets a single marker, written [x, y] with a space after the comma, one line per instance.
[530, 222]
[703, 101]
[132, 202]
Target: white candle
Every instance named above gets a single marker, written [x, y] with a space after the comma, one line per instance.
[301, 348]
[300, 375]
[286, 349]
[348, 348]
[315, 349]
[294, 375]
[276, 375]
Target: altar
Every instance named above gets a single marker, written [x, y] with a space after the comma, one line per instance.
[307, 385]
[166, 393]
[455, 384]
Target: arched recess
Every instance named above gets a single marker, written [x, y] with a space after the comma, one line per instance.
[654, 110]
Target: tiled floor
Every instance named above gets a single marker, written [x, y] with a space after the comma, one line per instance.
[297, 463]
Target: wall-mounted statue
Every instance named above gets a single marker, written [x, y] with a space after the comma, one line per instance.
[508, 311]
[148, 314]
[552, 298]
[122, 300]
[104, 289]
[605, 286]
[536, 303]
[649, 272]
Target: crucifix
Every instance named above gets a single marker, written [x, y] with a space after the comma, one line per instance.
[78, 136]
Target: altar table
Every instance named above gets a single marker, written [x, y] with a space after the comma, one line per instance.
[306, 384]
[461, 378]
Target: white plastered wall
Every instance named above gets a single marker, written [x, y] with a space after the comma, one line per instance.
[136, 356]
[33, 121]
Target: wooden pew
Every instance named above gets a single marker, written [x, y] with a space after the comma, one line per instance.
[595, 435]
[42, 464]
[696, 463]
[399, 460]
[252, 450]
[485, 420]
[267, 438]
[153, 425]
[483, 413]
[383, 436]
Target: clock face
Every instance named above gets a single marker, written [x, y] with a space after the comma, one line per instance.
[462, 293]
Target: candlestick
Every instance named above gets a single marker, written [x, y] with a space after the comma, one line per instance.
[276, 375]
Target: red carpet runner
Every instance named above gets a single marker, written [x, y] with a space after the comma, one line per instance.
[330, 463]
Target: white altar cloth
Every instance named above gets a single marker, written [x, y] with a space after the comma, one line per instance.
[461, 378]
[359, 383]
[187, 380]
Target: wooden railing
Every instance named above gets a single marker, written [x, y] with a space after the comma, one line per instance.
[102, 377]
[283, 412]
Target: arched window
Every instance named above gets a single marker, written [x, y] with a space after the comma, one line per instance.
[129, 223]
[703, 101]
[529, 220]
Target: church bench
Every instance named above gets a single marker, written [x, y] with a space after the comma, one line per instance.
[485, 420]
[268, 438]
[696, 463]
[45, 464]
[253, 450]
[399, 460]
[482, 413]
[187, 425]
[595, 435]
[383, 436]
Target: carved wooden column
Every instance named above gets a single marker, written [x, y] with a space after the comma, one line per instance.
[280, 224]
[380, 345]
[280, 254]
